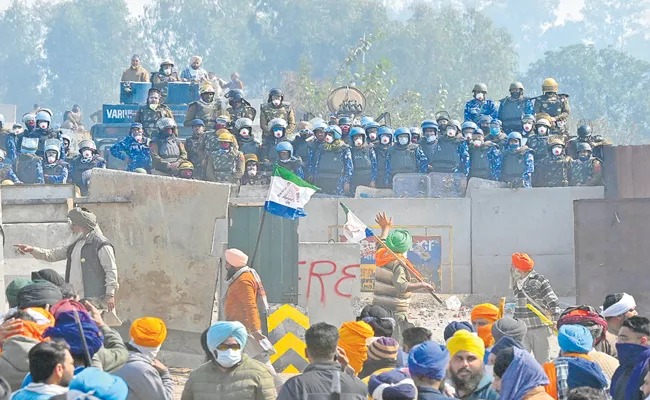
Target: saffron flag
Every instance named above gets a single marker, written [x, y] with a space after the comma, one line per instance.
[288, 194]
[354, 230]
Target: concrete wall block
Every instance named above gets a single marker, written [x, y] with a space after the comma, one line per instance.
[30, 192]
[47, 213]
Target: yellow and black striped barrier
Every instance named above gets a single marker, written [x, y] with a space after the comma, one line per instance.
[287, 326]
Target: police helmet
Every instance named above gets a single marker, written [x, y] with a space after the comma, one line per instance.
[225, 136]
[402, 131]
[371, 124]
[543, 122]
[87, 144]
[480, 87]
[251, 157]
[415, 130]
[583, 146]
[468, 125]
[320, 125]
[528, 117]
[43, 116]
[427, 124]
[345, 121]
[140, 171]
[549, 85]
[478, 131]
[335, 131]
[53, 144]
[66, 135]
[442, 116]
[243, 123]
[164, 123]
[516, 86]
[222, 119]
[555, 141]
[198, 122]
[584, 131]
[235, 94]
[365, 121]
[278, 122]
[515, 135]
[154, 90]
[385, 130]
[136, 125]
[206, 89]
[484, 119]
[454, 122]
[167, 61]
[29, 117]
[496, 123]
[284, 146]
[29, 145]
[357, 131]
[275, 92]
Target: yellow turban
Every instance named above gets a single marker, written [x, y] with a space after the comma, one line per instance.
[466, 341]
[148, 332]
[353, 337]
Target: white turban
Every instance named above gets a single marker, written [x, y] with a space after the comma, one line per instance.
[624, 305]
[196, 58]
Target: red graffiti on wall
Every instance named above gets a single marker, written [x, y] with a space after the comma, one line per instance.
[322, 268]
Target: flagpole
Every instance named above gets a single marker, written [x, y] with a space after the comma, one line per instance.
[259, 237]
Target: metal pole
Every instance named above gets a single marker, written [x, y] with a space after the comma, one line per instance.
[257, 243]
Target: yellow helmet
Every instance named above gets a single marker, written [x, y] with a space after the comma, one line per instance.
[7, 182]
[206, 89]
[251, 157]
[224, 116]
[225, 136]
[549, 85]
[555, 141]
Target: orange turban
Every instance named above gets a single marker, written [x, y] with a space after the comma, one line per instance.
[522, 262]
[148, 332]
[353, 338]
[490, 312]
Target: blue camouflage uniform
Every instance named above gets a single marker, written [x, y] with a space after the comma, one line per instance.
[10, 146]
[420, 157]
[474, 109]
[374, 171]
[463, 154]
[139, 154]
[8, 172]
[348, 167]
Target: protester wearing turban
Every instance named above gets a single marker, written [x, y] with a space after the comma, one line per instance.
[518, 376]
[428, 365]
[483, 316]
[91, 267]
[392, 385]
[574, 368]
[93, 383]
[505, 342]
[466, 366]
[66, 328]
[49, 275]
[67, 305]
[393, 287]
[382, 357]
[12, 290]
[146, 377]
[39, 294]
[353, 338]
[531, 288]
[455, 326]
[616, 308]
[232, 374]
[194, 73]
[508, 326]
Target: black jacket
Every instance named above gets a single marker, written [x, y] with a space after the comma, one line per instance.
[427, 393]
[324, 381]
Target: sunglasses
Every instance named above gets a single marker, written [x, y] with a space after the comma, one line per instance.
[303, 131]
[224, 347]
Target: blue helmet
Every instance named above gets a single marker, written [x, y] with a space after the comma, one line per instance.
[515, 135]
[468, 125]
[428, 123]
[335, 131]
[402, 131]
[357, 131]
[370, 125]
[484, 119]
[345, 121]
[496, 123]
[365, 121]
[197, 121]
[319, 125]
[385, 130]
[478, 131]
[285, 146]
[136, 125]
[44, 116]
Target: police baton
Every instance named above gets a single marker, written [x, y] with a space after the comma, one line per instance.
[87, 358]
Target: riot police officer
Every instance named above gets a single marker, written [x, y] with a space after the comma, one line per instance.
[553, 170]
[278, 128]
[276, 107]
[43, 131]
[381, 146]
[372, 135]
[538, 143]
[302, 140]
[364, 160]
[480, 104]
[239, 107]
[554, 104]
[207, 108]
[450, 154]
[253, 173]
[345, 123]
[55, 170]
[527, 125]
[135, 148]
[467, 129]
[484, 122]
[332, 166]
[404, 156]
[319, 128]
[6, 169]
[226, 164]
[365, 121]
[495, 134]
[82, 164]
[245, 139]
[517, 163]
[29, 120]
[29, 166]
[428, 142]
[586, 170]
[7, 139]
[287, 160]
[160, 79]
[513, 107]
[484, 157]
[194, 145]
[416, 134]
[596, 142]
[167, 151]
[149, 114]
[442, 119]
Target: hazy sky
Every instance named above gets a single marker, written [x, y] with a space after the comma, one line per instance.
[135, 6]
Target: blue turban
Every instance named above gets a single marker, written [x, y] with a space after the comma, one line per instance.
[428, 359]
[455, 326]
[394, 385]
[66, 328]
[221, 331]
[505, 342]
[102, 385]
[575, 339]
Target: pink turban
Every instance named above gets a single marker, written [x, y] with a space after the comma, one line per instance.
[236, 258]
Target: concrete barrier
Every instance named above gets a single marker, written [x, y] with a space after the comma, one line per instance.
[536, 221]
[45, 235]
[163, 243]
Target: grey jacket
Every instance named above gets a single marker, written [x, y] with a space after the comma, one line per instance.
[113, 354]
[14, 361]
[144, 381]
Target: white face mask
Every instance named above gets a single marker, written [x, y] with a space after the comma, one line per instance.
[542, 130]
[43, 125]
[228, 358]
[557, 150]
[329, 139]
[276, 102]
[17, 131]
[167, 71]
[451, 133]
[385, 140]
[477, 143]
[358, 142]
[153, 106]
[51, 158]
[278, 133]
[403, 140]
[139, 138]
[87, 154]
[252, 171]
[479, 96]
[244, 133]
[431, 138]
[528, 126]
[372, 135]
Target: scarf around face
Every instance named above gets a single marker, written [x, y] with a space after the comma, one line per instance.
[629, 355]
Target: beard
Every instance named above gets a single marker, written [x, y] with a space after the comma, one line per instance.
[469, 383]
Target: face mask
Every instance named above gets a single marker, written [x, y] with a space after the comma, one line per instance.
[485, 333]
[252, 170]
[87, 154]
[516, 95]
[372, 135]
[16, 131]
[358, 142]
[345, 128]
[451, 132]
[479, 96]
[431, 138]
[477, 143]
[43, 125]
[276, 102]
[385, 140]
[153, 106]
[403, 140]
[228, 358]
[278, 133]
[224, 146]
[494, 131]
[329, 139]
[513, 146]
[557, 150]
[244, 133]
[139, 138]
[583, 158]
[167, 71]
[528, 127]
[542, 130]
[51, 158]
